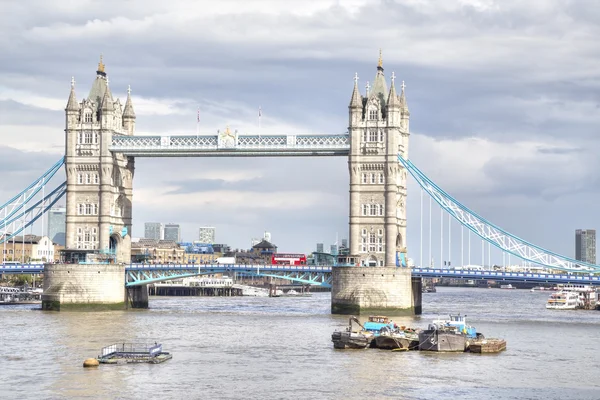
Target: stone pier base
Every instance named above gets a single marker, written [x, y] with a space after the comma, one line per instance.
[83, 287]
[137, 296]
[373, 290]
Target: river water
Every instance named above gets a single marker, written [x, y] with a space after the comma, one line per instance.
[280, 348]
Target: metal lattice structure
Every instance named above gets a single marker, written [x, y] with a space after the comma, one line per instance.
[493, 234]
[230, 144]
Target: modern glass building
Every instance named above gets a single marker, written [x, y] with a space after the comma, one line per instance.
[153, 230]
[172, 232]
[585, 245]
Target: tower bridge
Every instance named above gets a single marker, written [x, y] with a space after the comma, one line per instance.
[101, 147]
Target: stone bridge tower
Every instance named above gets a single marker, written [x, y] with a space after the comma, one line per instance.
[99, 183]
[379, 131]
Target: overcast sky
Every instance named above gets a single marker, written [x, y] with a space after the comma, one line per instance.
[503, 95]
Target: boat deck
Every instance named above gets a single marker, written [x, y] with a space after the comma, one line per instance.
[487, 346]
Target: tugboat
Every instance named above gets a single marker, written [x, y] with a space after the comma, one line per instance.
[350, 339]
[448, 335]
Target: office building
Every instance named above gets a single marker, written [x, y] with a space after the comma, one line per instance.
[320, 248]
[57, 225]
[585, 245]
[207, 234]
[153, 230]
[172, 232]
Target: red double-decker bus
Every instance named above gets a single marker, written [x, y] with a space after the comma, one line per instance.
[288, 259]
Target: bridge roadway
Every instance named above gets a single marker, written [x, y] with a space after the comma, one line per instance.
[137, 271]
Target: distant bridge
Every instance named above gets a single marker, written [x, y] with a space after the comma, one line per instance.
[143, 274]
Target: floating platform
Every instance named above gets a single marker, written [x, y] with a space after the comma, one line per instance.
[127, 353]
[487, 346]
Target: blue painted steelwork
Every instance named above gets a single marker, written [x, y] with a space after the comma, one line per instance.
[11, 207]
[137, 274]
[34, 212]
[240, 145]
[491, 233]
[21, 268]
[587, 279]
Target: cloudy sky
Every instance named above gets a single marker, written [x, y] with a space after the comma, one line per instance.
[503, 97]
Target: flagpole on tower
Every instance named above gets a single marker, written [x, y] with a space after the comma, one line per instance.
[198, 123]
[259, 115]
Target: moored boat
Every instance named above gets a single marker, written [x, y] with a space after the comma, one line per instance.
[400, 338]
[351, 339]
[448, 335]
[509, 286]
[563, 300]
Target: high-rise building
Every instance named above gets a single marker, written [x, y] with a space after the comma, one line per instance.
[172, 232]
[267, 236]
[57, 226]
[153, 230]
[345, 243]
[207, 234]
[585, 245]
[334, 250]
[320, 248]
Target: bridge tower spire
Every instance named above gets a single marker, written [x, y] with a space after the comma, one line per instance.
[377, 204]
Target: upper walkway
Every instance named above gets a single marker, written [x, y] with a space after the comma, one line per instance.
[229, 144]
[187, 269]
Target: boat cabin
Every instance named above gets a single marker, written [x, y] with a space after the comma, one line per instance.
[376, 322]
[379, 318]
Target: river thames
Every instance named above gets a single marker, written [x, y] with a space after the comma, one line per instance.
[280, 348]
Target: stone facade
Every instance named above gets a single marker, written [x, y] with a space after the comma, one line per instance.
[83, 285]
[372, 290]
[99, 183]
[379, 131]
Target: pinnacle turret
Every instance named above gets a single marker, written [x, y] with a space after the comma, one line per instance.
[128, 111]
[356, 100]
[107, 100]
[72, 104]
[403, 103]
[393, 100]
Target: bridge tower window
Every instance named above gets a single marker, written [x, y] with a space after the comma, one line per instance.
[372, 114]
[373, 136]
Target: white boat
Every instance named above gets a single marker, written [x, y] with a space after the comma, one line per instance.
[563, 300]
[509, 286]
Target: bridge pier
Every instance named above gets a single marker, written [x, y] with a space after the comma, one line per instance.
[83, 287]
[373, 290]
[137, 296]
